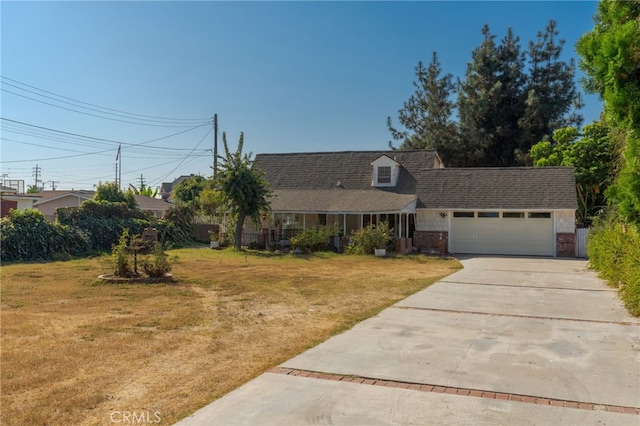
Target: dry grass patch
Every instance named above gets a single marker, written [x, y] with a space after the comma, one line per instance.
[75, 349]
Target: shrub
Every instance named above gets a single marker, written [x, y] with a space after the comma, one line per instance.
[26, 236]
[369, 238]
[156, 265]
[314, 239]
[121, 256]
[614, 250]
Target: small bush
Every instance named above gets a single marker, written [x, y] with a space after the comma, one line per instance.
[369, 238]
[121, 256]
[614, 250]
[314, 239]
[156, 265]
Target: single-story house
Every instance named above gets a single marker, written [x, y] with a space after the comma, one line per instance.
[10, 199]
[51, 200]
[514, 211]
[156, 206]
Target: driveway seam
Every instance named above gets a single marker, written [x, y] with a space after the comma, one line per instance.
[478, 393]
[532, 286]
[454, 311]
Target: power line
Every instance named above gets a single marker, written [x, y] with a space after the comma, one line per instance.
[101, 107]
[185, 158]
[130, 145]
[94, 115]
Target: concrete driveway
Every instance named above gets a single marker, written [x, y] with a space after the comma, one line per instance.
[505, 341]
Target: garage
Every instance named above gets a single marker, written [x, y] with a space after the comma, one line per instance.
[502, 232]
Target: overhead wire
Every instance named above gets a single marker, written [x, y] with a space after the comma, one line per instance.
[126, 114]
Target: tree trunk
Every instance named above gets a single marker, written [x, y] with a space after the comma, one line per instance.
[239, 224]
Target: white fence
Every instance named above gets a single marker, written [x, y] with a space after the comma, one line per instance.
[581, 242]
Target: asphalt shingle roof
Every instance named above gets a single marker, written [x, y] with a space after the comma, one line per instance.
[499, 188]
[341, 182]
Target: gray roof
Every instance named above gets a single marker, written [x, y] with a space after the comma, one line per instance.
[325, 182]
[352, 169]
[498, 188]
[341, 200]
[341, 182]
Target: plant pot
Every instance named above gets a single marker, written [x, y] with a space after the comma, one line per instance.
[380, 252]
[214, 244]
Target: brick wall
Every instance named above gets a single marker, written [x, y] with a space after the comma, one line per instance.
[565, 244]
[431, 240]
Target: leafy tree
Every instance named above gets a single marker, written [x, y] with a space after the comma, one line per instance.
[610, 56]
[33, 189]
[111, 192]
[188, 191]
[244, 190]
[426, 115]
[591, 154]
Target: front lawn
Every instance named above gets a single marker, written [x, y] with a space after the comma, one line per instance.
[76, 350]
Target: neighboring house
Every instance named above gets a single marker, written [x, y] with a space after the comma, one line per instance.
[167, 188]
[156, 206]
[51, 200]
[10, 199]
[518, 211]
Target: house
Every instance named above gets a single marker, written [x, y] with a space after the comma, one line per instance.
[516, 211]
[155, 206]
[51, 200]
[10, 199]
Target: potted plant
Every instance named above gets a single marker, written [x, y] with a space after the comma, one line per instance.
[214, 239]
[372, 239]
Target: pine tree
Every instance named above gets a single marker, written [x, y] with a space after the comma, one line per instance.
[426, 115]
[490, 101]
[551, 91]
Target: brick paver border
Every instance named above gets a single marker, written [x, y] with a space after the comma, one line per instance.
[478, 393]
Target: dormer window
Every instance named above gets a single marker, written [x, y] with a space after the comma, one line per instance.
[385, 172]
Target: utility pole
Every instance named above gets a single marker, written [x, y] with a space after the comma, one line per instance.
[53, 184]
[36, 173]
[215, 145]
[141, 182]
[117, 175]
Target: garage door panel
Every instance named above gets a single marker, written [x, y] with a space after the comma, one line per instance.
[516, 236]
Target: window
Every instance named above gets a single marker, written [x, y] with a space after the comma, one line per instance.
[384, 174]
[513, 215]
[463, 214]
[539, 215]
[488, 214]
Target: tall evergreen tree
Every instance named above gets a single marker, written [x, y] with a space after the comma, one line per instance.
[490, 101]
[551, 91]
[503, 106]
[426, 115]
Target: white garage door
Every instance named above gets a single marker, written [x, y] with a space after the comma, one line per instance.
[517, 233]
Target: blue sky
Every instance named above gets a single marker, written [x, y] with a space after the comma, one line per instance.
[293, 76]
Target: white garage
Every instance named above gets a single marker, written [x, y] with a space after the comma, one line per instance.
[524, 211]
[502, 232]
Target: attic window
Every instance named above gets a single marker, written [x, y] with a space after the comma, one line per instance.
[384, 174]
